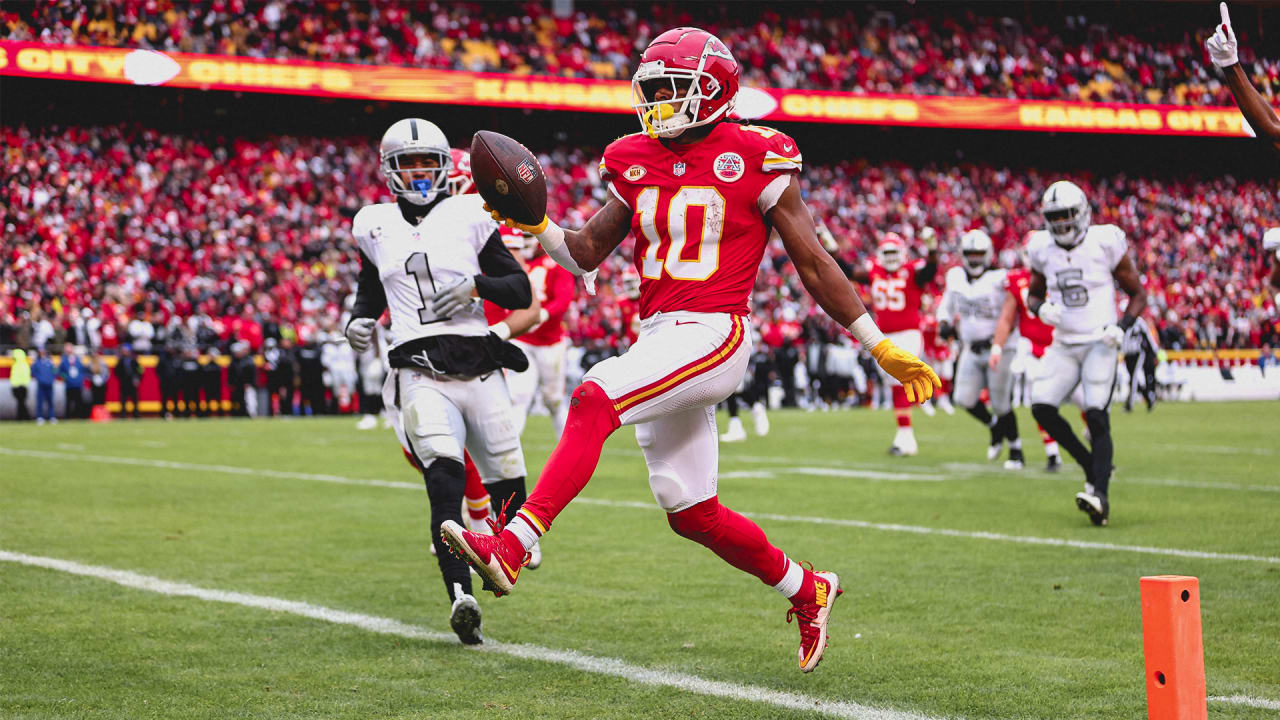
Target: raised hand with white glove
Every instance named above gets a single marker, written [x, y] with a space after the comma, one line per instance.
[360, 333]
[1271, 241]
[1050, 313]
[1222, 46]
[454, 297]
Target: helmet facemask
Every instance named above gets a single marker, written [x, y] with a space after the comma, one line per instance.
[891, 257]
[669, 117]
[399, 170]
[975, 262]
[1067, 225]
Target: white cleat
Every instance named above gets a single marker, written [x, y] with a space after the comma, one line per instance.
[929, 409]
[904, 443]
[368, 422]
[535, 557]
[735, 433]
[944, 402]
[760, 418]
[993, 451]
[464, 617]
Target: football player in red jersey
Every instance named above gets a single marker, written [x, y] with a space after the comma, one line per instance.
[937, 352]
[1015, 315]
[629, 305]
[546, 344]
[700, 196]
[897, 285]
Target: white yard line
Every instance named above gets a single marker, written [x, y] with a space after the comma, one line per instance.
[1263, 703]
[598, 665]
[999, 537]
[1216, 449]
[1072, 474]
[839, 522]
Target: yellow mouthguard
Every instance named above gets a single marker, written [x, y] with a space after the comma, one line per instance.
[662, 112]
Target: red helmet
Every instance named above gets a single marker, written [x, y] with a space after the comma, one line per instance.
[699, 71]
[892, 251]
[459, 181]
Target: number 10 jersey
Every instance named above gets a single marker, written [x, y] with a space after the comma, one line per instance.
[1080, 280]
[699, 213]
[414, 261]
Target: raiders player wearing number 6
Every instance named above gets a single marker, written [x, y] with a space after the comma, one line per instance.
[700, 195]
[1075, 267]
[430, 258]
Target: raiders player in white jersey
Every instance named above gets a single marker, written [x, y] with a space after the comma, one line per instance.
[430, 258]
[1075, 267]
[970, 308]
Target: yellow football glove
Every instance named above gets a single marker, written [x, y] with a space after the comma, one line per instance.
[917, 378]
[531, 229]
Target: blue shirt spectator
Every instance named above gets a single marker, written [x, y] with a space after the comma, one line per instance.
[42, 370]
[71, 370]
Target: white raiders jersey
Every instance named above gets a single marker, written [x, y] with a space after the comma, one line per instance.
[977, 300]
[1080, 280]
[415, 261]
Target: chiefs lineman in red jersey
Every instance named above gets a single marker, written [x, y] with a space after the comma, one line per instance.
[700, 196]
[1015, 315]
[896, 288]
[546, 345]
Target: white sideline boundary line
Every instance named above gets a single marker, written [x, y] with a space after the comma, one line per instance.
[1262, 703]
[839, 522]
[387, 626]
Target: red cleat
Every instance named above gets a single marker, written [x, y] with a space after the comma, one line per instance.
[497, 558]
[812, 618]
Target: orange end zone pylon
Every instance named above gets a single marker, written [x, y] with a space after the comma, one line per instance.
[1174, 648]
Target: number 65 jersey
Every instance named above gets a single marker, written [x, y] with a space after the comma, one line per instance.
[699, 212]
[1080, 280]
[414, 261]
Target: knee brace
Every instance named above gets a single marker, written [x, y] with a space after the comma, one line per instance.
[697, 523]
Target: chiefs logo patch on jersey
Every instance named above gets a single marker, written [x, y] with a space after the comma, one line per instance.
[729, 166]
[635, 172]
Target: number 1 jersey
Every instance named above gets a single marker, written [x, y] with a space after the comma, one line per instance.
[414, 261]
[699, 213]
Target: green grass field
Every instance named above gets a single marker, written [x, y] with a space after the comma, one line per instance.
[955, 606]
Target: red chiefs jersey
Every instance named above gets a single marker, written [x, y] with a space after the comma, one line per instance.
[1031, 327]
[554, 287]
[494, 313]
[699, 212]
[934, 347]
[895, 296]
[629, 315]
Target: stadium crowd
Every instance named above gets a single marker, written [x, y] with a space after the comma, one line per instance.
[939, 50]
[121, 235]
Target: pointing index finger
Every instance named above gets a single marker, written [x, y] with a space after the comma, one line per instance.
[1226, 17]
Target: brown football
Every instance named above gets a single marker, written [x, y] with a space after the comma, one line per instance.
[509, 177]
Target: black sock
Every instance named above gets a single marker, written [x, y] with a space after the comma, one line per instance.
[1060, 430]
[732, 404]
[983, 415]
[446, 480]
[1008, 426]
[1103, 450]
[503, 490]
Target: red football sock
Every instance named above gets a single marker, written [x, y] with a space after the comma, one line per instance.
[476, 496]
[736, 539]
[592, 419]
[901, 408]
